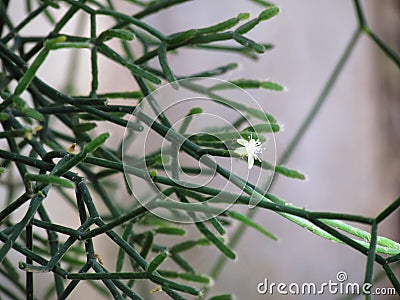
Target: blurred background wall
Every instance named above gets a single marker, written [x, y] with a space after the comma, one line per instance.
[350, 153]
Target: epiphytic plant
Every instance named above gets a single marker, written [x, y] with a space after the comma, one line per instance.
[45, 126]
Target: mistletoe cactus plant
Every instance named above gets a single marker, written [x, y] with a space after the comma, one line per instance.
[53, 150]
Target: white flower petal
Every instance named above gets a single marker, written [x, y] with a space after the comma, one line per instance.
[241, 151]
[250, 161]
[242, 142]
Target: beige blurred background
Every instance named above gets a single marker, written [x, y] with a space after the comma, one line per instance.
[350, 153]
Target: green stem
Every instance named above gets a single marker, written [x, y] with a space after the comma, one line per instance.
[392, 55]
[238, 233]
[369, 273]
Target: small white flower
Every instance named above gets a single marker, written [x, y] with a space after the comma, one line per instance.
[250, 149]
